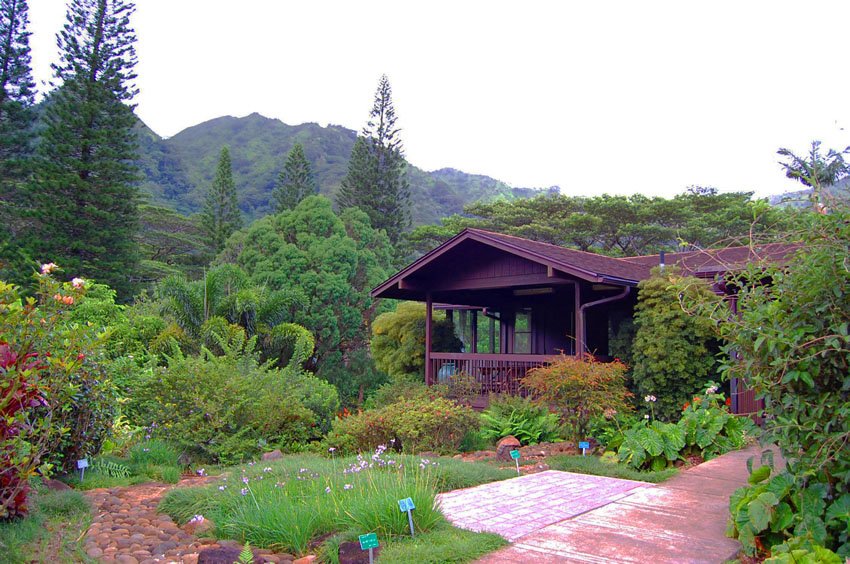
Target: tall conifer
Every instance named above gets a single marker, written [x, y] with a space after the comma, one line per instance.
[84, 198]
[376, 180]
[295, 182]
[221, 215]
[17, 92]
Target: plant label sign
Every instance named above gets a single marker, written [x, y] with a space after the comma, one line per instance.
[82, 464]
[369, 541]
[583, 445]
[515, 456]
[406, 505]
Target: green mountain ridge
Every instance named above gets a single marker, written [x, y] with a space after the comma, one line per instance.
[177, 170]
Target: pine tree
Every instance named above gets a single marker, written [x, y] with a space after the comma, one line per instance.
[221, 215]
[376, 180]
[17, 93]
[295, 182]
[84, 198]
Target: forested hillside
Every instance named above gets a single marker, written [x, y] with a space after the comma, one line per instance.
[178, 170]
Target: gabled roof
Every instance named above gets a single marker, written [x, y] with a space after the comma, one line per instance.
[591, 267]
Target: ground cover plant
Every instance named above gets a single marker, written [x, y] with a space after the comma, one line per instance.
[606, 466]
[51, 531]
[288, 503]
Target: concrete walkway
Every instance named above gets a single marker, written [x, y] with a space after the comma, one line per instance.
[606, 520]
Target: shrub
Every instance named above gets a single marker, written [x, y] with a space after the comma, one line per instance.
[654, 446]
[775, 510]
[56, 401]
[399, 388]
[530, 423]
[673, 351]
[420, 425]
[226, 408]
[581, 389]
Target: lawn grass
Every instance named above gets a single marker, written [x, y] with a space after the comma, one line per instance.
[443, 544]
[287, 503]
[593, 465]
[52, 532]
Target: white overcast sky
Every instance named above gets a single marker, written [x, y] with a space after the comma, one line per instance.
[615, 96]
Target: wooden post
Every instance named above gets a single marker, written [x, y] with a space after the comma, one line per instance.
[429, 376]
[579, 321]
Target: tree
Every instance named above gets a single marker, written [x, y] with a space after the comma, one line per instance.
[221, 215]
[333, 260]
[376, 181]
[17, 92]
[673, 351]
[17, 95]
[815, 170]
[295, 182]
[83, 202]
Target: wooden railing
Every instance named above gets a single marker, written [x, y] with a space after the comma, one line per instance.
[495, 373]
[746, 402]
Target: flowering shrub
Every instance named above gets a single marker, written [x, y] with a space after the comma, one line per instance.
[581, 389]
[419, 425]
[55, 399]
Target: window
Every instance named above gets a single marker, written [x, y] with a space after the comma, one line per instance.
[522, 331]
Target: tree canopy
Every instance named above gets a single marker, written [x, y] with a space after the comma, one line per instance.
[221, 215]
[296, 180]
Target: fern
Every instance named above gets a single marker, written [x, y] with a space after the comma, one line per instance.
[247, 555]
[111, 469]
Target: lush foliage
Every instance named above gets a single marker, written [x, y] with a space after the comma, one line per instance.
[398, 339]
[792, 346]
[529, 422]
[673, 351]
[292, 501]
[580, 389]
[221, 215]
[617, 225]
[171, 244]
[56, 400]
[229, 407]
[333, 261]
[376, 181]
[295, 182]
[416, 425]
[17, 95]
[776, 510]
[82, 205]
[606, 466]
[706, 428]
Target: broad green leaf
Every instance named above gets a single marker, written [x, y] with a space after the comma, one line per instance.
[783, 517]
[840, 511]
[761, 511]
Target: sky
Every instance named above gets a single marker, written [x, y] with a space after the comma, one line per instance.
[616, 97]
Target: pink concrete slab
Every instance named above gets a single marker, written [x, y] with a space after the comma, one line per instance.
[519, 506]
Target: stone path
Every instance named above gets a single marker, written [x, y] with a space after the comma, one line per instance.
[126, 529]
[681, 520]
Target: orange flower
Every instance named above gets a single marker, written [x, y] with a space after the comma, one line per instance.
[686, 406]
[728, 402]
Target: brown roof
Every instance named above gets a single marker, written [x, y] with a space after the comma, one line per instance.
[627, 271]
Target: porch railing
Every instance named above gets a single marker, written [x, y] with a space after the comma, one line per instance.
[494, 373]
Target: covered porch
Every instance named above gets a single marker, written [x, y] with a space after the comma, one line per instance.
[515, 305]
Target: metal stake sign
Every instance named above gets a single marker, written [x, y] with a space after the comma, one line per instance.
[583, 445]
[82, 464]
[515, 456]
[407, 505]
[369, 542]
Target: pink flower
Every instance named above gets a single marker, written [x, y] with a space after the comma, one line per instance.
[49, 267]
[78, 283]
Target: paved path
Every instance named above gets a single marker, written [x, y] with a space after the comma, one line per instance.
[681, 520]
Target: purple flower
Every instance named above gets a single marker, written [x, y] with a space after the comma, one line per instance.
[244, 491]
[347, 487]
[328, 489]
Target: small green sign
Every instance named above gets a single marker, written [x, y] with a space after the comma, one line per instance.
[514, 454]
[368, 541]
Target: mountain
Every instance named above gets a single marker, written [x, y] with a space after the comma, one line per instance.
[178, 170]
